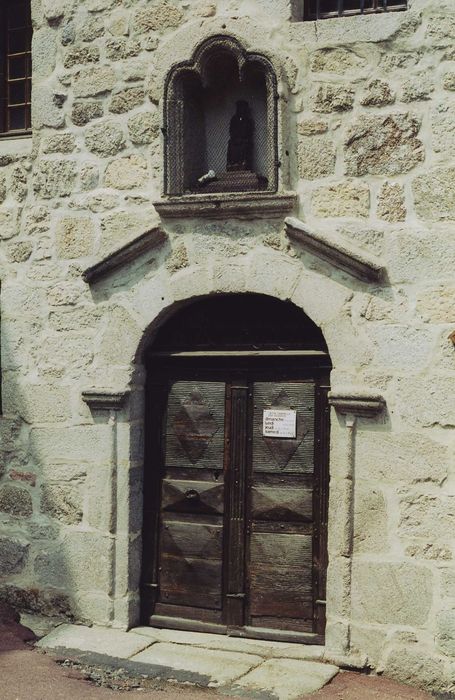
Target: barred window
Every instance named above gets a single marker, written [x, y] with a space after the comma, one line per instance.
[15, 66]
[323, 9]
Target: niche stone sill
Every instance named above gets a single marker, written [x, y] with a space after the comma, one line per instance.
[246, 205]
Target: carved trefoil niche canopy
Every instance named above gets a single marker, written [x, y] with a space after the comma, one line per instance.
[220, 121]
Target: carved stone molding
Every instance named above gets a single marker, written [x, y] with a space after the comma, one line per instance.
[104, 399]
[336, 250]
[219, 206]
[357, 402]
[132, 250]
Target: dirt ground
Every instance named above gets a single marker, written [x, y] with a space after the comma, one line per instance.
[28, 674]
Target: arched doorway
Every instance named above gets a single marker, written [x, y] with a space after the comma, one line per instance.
[236, 471]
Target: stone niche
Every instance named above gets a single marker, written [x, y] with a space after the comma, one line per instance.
[221, 121]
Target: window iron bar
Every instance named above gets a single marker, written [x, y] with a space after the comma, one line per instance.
[326, 9]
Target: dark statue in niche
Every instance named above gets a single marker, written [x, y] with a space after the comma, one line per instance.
[241, 130]
[239, 175]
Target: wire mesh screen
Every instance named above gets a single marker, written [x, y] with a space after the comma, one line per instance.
[226, 130]
[321, 9]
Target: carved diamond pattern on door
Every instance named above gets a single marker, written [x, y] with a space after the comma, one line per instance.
[195, 426]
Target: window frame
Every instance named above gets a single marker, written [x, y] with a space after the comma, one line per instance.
[24, 79]
[379, 7]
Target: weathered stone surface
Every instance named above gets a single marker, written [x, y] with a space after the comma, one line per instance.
[163, 15]
[117, 22]
[91, 29]
[391, 202]
[105, 138]
[370, 520]
[427, 516]
[218, 667]
[126, 173]
[391, 592]
[63, 502]
[418, 87]
[77, 55]
[377, 94]
[434, 194]
[47, 108]
[430, 552]
[344, 199]
[84, 112]
[287, 679]
[90, 176]
[13, 555]
[143, 127]
[443, 128]
[117, 228]
[404, 457]
[54, 178]
[44, 602]
[415, 666]
[94, 80]
[15, 501]
[336, 60]
[437, 304]
[331, 97]
[310, 127]
[74, 237]
[60, 143]
[97, 640]
[448, 81]
[19, 251]
[119, 49]
[127, 99]
[441, 29]
[385, 144]
[316, 156]
[120, 339]
[44, 52]
[178, 259]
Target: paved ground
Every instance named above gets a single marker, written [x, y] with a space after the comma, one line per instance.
[28, 674]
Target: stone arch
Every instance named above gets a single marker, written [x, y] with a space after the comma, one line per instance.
[153, 300]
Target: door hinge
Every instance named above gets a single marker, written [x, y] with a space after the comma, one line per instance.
[320, 602]
[235, 595]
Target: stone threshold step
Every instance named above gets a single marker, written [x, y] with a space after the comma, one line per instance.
[238, 665]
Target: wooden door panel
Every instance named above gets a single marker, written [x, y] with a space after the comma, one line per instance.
[194, 433]
[185, 496]
[291, 504]
[282, 503]
[280, 550]
[192, 501]
[192, 540]
[278, 454]
[194, 582]
[276, 590]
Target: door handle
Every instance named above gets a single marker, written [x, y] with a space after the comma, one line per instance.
[191, 495]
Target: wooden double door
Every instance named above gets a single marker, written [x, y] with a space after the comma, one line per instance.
[236, 493]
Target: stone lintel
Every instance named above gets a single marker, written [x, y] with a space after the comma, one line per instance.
[105, 399]
[336, 250]
[146, 241]
[246, 205]
[358, 402]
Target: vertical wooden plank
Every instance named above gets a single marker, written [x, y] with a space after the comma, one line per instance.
[238, 454]
[320, 495]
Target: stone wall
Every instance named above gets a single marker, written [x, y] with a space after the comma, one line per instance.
[368, 122]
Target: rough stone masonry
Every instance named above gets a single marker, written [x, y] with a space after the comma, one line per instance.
[367, 141]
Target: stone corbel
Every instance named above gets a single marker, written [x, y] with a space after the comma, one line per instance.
[357, 402]
[337, 250]
[132, 250]
[105, 400]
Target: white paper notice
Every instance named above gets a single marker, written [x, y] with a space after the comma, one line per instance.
[279, 423]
